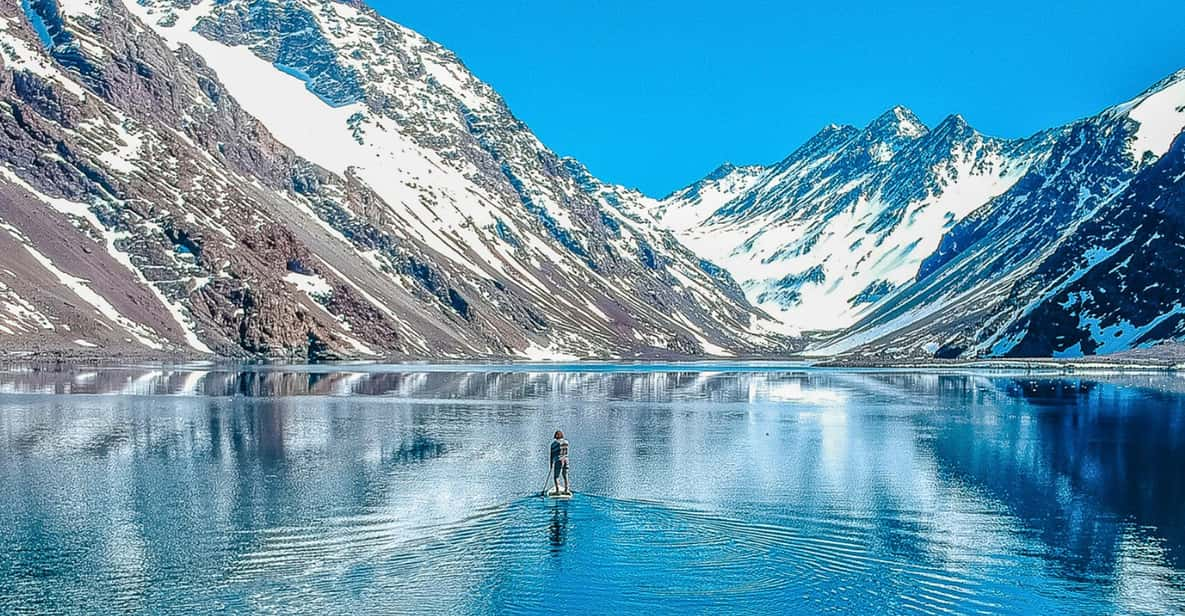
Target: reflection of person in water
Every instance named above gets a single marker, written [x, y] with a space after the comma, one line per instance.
[557, 532]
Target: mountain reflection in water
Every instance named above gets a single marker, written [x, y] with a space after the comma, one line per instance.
[748, 488]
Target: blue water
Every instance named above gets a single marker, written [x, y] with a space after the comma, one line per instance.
[701, 489]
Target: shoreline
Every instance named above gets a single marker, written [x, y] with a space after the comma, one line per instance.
[1088, 365]
[1128, 362]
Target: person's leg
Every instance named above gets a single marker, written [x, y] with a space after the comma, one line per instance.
[567, 488]
[555, 476]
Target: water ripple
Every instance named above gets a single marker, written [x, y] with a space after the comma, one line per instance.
[685, 553]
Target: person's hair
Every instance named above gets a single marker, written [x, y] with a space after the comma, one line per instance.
[559, 434]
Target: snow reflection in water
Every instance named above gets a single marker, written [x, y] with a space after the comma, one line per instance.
[749, 489]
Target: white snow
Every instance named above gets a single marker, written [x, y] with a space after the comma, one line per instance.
[447, 78]
[1069, 353]
[174, 308]
[86, 343]
[714, 350]
[906, 126]
[441, 201]
[686, 211]
[435, 200]
[1161, 116]
[313, 285]
[534, 352]
[358, 346]
[881, 152]
[1092, 256]
[316, 287]
[707, 346]
[762, 327]
[123, 157]
[1121, 335]
[78, 7]
[405, 328]
[344, 10]
[860, 337]
[17, 314]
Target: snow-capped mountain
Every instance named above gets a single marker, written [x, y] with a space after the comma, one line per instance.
[1125, 290]
[305, 177]
[824, 235]
[904, 241]
[1080, 256]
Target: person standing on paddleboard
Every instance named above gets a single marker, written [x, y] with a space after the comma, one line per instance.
[559, 461]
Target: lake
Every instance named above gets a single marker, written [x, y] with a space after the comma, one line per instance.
[699, 489]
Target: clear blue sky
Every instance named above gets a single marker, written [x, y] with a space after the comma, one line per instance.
[655, 94]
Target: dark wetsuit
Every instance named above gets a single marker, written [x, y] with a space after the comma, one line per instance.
[559, 458]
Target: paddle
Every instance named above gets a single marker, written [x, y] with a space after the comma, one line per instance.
[550, 468]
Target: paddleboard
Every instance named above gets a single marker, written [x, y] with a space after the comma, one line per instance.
[554, 494]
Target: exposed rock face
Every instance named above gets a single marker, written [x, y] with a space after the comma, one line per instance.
[306, 179]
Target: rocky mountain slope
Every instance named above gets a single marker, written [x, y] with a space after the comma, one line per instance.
[304, 178]
[901, 241]
[1044, 268]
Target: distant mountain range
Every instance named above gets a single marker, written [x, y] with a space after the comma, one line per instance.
[900, 241]
[306, 179]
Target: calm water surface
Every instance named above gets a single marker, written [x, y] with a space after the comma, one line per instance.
[362, 489]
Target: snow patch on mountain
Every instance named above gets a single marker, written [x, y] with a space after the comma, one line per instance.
[122, 158]
[84, 216]
[907, 124]
[88, 8]
[1051, 266]
[405, 175]
[311, 284]
[537, 353]
[1161, 115]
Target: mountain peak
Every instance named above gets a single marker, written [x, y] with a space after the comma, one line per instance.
[898, 122]
[892, 131]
